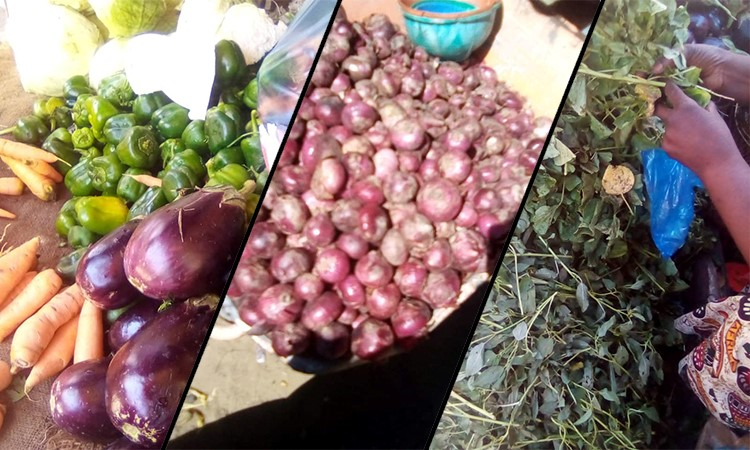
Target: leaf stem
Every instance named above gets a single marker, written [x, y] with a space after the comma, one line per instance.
[627, 79]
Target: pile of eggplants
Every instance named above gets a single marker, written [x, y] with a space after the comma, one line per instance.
[158, 275]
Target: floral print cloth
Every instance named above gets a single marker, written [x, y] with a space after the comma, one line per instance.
[718, 370]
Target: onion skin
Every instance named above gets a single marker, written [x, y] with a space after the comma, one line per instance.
[77, 402]
[145, 383]
[186, 248]
[101, 273]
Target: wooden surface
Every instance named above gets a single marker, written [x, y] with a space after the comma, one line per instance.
[535, 54]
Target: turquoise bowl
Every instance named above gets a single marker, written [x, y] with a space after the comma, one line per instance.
[450, 29]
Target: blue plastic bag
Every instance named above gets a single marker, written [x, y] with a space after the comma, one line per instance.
[671, 189]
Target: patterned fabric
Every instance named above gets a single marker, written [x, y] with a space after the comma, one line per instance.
[718, 370]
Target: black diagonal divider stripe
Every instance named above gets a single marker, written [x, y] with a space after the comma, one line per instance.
[238, 257]
[513, 227]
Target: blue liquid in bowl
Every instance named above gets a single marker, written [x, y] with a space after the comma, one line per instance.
[443, 6]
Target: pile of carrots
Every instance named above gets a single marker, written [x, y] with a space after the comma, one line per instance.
[51, 325]
[32, 167]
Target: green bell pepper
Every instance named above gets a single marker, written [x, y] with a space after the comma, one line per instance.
[185, 171]
[68, 264]
[99, 110]
[101, 215]
[116, 126]
[60, 144]
[231, 155]
[105, 173]
[83, 138]
[78, 181]
[232, 175]
[44, 107]
[74, 87]
[128, 188]
[109, 149]
[229, 62]
[30, 130]
[139, 148]
[117, 90]
[61, 117]
[90, 153]
[170, 121]
[150, 201]
[80, 237]
[221, 129]
[252, 152]
[78, 112]
[194, 137]
[169, 148]
[144, 106]
[250, 94]
[260, 182]
[67, 218]
[231, 96]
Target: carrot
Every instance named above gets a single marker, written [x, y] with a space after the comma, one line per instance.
[44, 169]
[55, 357]
[33, 336]
[19, 287]
[90, 338]
[6, 214]
[15, 263]
[148, 180]
[41, 289]
[3, 411]
[38, 184]
[19, 150]
[5, 376]
[11, 186]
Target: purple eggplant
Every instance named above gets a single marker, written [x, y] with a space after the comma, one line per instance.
[148, 375]
[129, 323]
[77, 401]
[100, 273]
[186, 248]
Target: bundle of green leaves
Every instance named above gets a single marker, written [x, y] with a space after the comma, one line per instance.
[568, 351]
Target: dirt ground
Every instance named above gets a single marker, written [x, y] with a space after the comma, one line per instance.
[222, 365]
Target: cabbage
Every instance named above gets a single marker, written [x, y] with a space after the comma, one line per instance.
[82, 6]
[125, 18]
[50, 44]
[200, 19]
[252, 29]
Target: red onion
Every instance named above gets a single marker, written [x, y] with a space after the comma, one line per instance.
[394, 248]
[438, 256]
[333, 341]
[290, 263]
[290, 214]
[382, 302]
[308, 287]
[386, 163]
[249, 312]
[294, 179]
[349, 315]
[279, 306]
[469, 250]
[400, 187]
[371, 338]
[341, 83]
[358, 144]
[357, 68]
[380, 26]
[441, 288]
[322, 311]
[373, 222]
[368, 191]
[359, 117]
[290, 339]
[411, 318]
[351, 291]
[407, 135]
[289, 153]
[358, 166]
[411, 277]
[329, 179]
[353, 245]
[265, 240]
[318, 147]
[439, 200]
[332, 265]
[417, 230]
[251, 278]
[373, 270]
[328, 110]
[454, 166]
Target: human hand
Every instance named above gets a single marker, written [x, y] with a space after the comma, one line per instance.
[695, 136]
[722, 71]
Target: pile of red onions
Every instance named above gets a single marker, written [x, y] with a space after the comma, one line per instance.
[399, 175]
